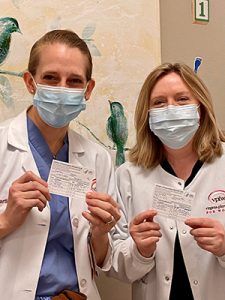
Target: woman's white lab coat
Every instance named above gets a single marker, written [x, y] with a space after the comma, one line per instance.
[151, 277]
[21, 252]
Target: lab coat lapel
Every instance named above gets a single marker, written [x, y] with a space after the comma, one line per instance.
[75, 150]
[18, 138]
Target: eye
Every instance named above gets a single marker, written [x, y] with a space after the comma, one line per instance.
[50, 78]
[76, 82]
[183, 99]
[158, 102]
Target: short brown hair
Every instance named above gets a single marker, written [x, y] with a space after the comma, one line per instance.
[148, 150]
[62, 36]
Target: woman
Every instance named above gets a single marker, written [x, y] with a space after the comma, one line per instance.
[179, 148]
[47, 246]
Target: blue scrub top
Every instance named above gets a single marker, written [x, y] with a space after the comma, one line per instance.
[58, 271]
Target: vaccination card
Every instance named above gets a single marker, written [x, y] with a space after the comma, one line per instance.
[172, 203]
[69, 180]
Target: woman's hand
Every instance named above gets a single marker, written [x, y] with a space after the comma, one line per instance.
[145, 232]
[209, 234]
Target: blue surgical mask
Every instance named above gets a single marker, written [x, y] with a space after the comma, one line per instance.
[175, 126]
[57, 106]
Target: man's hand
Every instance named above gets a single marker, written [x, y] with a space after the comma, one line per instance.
[103, 213]
[26, 192]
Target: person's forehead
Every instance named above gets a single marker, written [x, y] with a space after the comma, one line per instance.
[171, 81]
[56, 57]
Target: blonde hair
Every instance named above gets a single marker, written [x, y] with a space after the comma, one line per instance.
[63, 36]
[148, 151]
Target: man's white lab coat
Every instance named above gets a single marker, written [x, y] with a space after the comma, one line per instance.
[21, 252]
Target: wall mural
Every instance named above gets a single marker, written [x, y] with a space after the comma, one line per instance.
[124, 39]
[8, 25]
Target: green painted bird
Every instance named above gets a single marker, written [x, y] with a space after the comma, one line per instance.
[117, 130]
[8, 25]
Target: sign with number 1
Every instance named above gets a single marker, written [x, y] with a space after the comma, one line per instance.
[200, 11]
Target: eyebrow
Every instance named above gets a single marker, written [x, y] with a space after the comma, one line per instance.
[74, 75]
[186, 92]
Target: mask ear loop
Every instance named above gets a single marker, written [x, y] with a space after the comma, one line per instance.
[85, 90]
[33, 91]
[198, 108]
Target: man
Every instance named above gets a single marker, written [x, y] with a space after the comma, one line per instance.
[46, 239]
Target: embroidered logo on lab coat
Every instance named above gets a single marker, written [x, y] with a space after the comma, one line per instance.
[217, 202]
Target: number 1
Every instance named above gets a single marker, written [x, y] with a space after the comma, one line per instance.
[202, 14]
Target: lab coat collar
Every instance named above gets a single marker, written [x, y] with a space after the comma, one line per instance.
[75, 147]
[18, 138]
[75, 142]
[17, 134]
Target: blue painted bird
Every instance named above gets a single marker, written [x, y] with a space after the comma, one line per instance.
[117, 130]
[8, 25]
[197, 63]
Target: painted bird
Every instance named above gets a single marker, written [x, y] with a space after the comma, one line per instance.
[197, 64]
[8, 25]
[117, 130]
[87, 34]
